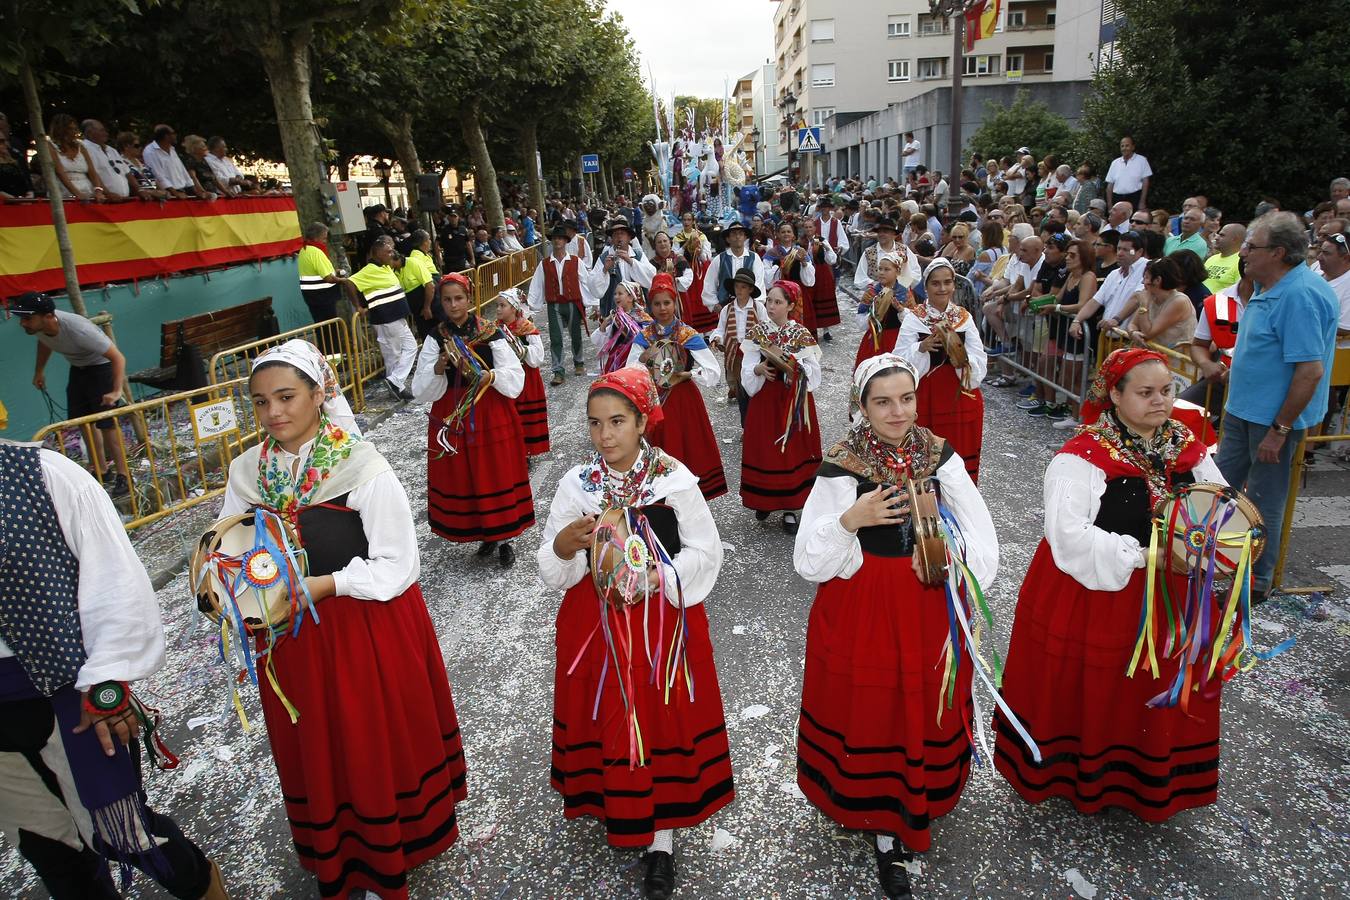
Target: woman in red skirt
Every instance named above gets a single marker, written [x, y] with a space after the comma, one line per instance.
[781, 446]
[685, 431]
[880, 748]
[697, 254]
[880, 319]
[639, 737]
[365, 739]
[950, 401]
[824, 298]
[788, 260]
[1079, 612]
[478, 480]
[513, 315]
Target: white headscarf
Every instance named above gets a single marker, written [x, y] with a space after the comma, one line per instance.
[634, 290]
[517, 300]
[870, 367]
[308, 359]
[939, 262]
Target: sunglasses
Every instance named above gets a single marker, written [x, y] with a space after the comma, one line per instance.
[1141, 222]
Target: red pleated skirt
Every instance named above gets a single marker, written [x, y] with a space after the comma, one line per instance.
[951, 412]
[696, 315]
[532, 408]
[824, 297]
[871, 753]
[1101, 744]
[809, 308]
[481, 492]
[688, 773]
[867, 349]
[686, 434]
[373, 768]
[777, 476]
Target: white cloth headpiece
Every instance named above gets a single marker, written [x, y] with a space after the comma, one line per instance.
[939, 262]
[634, 290]
[892, 256]
[869, 368]
[517, 300]
[308, 359]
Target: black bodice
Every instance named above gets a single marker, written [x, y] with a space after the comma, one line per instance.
[332, 535]
[884, 540]
[1126, 509]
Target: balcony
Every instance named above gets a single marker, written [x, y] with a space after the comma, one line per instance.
[1030, 26]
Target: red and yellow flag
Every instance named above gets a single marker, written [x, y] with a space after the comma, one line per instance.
[981, 21]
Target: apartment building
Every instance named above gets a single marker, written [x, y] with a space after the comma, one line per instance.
[854, 57]
[755, 102]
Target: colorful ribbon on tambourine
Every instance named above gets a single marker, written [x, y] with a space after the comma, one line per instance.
[798, 413]
[260, 568]
[1211, 638]
[628, 581]
[477, 383]
[615, 352]
[965, 632]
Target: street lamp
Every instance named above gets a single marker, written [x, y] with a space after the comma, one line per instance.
[382, 169]
[754, 151]
[789, 105]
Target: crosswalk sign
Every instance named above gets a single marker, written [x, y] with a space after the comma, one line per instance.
[808, 140]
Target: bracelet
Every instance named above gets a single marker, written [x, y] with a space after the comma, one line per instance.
[107, 698]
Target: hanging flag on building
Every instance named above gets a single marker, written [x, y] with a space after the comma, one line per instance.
[981, 21]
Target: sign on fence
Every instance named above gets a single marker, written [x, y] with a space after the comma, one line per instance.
[212, 419]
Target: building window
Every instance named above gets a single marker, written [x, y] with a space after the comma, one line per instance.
[929, 25]
[897, 26]
[822, 75]
[822, 30]
[1050, 18]
[1014, 63]
[1049, 62]
[897, 70]
[933, 67]
[981, 65]
[1017, 18]
[820, 116]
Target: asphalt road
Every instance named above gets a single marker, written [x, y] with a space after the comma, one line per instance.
[1281, 827]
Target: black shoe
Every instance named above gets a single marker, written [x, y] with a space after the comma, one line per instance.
[394, 388]
[486, 548]
[761, 515]
[891, 871]
[659, 882]
[826, 337]
[790, 522]
[506, 554]
[579, 369]
[118, 487]
[406, 394]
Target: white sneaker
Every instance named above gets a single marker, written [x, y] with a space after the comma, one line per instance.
[1065, 423]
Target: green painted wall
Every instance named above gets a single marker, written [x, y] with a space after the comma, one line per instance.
[137, 316]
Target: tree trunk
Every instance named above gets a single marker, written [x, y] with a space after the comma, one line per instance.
[30, 96]
[485, 176]
[529, 138]
[285, 57]
[344, 167]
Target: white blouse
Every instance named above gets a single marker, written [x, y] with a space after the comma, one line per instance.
[386, 519]
[742, 314]
[710, 283]
[808, 270]
[826, 550]
[1098, 560]
[913, 330]
[534, 352]
[698, 562]
[707, 370]
[807, 357]
[508, 376]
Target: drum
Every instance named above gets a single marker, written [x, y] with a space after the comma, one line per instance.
[930, 549]
[666, 360]
[1205, 520]
[620, 558]
[249, 569]
[778, 358]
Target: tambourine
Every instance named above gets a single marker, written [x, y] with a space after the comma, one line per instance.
[930, 548]
[250, 569]
[778, 358]
[953, 345]
[665, 361]
[620, 559]
[1203, 520]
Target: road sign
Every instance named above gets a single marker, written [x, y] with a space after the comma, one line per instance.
[590, 164]
[808, 140]
[629, 174]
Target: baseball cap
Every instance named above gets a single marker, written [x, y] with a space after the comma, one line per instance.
[31, 304]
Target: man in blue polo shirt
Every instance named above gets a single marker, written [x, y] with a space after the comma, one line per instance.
[1277, 387]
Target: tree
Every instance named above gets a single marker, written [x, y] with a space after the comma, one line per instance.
[1026, 123]
[1254, 107]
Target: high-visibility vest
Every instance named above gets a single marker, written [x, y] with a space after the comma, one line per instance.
[1222, 311]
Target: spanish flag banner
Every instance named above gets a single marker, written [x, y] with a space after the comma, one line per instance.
[127, 241]
[982, 21]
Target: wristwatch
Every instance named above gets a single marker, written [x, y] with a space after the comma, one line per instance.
[1279, 429]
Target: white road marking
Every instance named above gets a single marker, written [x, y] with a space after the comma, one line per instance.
[1312, 512]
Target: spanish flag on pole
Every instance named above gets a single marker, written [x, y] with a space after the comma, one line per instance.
[981, 20]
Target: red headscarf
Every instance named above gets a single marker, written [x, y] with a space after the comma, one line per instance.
[461, 280]
[1113, 368]
[793, 290]
[662, 283]
[637, 385]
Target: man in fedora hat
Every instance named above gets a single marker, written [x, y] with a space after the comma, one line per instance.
[735, 258]
[866, 273]
[620, 261]
[733, 325]
[559, 284]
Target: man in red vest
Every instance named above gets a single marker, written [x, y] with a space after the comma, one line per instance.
[558, 283]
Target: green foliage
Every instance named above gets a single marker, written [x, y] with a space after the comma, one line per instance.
[1026, 123]
[1237, 101]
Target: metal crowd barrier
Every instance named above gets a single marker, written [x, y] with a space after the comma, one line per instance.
[176, 448]
[1034, 350]
[331, 336]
